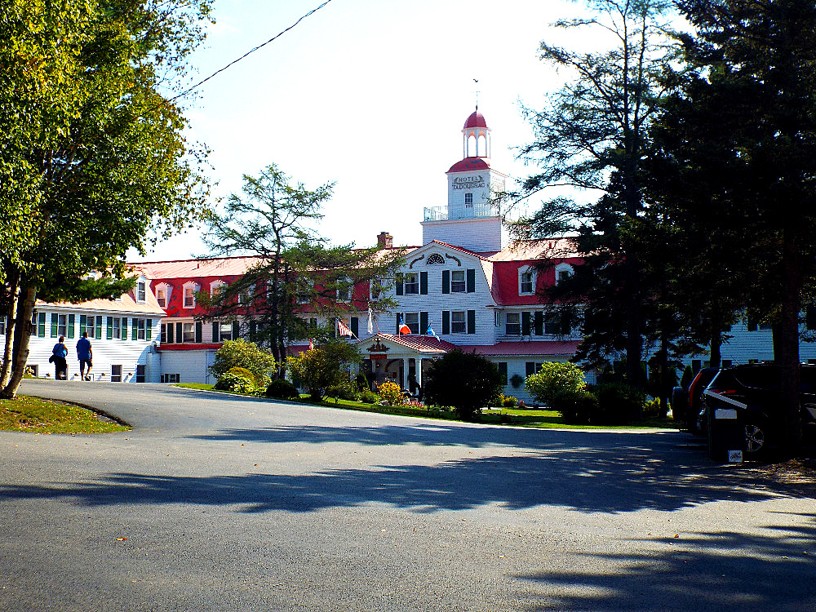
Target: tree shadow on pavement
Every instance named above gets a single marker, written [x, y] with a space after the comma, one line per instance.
[773, 570]
[630, 472]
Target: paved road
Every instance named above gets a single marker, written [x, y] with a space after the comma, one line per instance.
[223, 503]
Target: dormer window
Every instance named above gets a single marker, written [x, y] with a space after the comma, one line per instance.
[163, 291]
[345, 289]
[217, 287]
[526, 281]
[141, 291]
[563, 272]
[189, 295]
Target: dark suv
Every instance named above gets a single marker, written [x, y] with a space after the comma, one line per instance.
[746, 399]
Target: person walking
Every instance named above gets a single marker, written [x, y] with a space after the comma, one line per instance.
[58, 357]
[85, 356]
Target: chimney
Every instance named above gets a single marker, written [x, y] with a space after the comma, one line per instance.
[385, 240]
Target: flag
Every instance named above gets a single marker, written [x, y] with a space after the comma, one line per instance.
[343, 329]
[370, 321]
[431, 332]
[402, 328]
[311, 344]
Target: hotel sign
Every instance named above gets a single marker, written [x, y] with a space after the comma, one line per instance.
[468, 182]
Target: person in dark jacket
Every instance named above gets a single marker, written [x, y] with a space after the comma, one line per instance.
[58, 356]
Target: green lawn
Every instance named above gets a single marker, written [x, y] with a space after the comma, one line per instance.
[525, 417]
[43, 416]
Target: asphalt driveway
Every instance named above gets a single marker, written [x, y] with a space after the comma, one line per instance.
[229, 503]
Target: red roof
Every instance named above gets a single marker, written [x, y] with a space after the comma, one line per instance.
[538, 348]
[475, 120]
[470, 164]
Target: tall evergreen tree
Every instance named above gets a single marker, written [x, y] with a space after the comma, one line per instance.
[592, 135]
[745, 123]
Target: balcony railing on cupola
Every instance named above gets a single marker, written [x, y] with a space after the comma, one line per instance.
[440, 213]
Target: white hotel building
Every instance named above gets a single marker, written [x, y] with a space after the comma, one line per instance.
[465, 283]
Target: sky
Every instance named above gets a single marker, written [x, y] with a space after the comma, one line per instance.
[369, 94]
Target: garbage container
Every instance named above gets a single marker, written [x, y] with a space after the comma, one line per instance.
[725, 435]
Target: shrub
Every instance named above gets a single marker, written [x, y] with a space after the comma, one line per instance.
[367, 396]
[235, 383]
[242, 354]
[466, 381]
[281, 388]
[556, 382]
[238, 371]
[618, 403]
[578, 409]
[508, 401]
[390, 393]
[322, 368]
[344, 390]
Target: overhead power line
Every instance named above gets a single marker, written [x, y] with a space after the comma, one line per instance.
[250, 52]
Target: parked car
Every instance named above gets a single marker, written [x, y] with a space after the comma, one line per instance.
[747, 398]
[687, 403]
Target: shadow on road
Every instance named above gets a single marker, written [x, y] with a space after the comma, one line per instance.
[703, 571]
[627, 473]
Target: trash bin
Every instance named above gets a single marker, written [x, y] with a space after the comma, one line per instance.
[725, 435]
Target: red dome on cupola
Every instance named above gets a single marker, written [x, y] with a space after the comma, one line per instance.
[476, 120]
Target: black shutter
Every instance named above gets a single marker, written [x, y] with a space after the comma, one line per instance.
[446, 321]
[179, 333]
[199, 329]
[445, 281]
[236, 330]
[71, 321]
[216, 331]
[148, 329]
[471, 321]
[471, 280]
[538, 323]
[525, 323]
[423, 283]
[503, 371]
[423, 322]
[99, 327]
[399, 284]
[355, 326]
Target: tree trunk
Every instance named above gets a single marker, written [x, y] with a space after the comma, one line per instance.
[11, 324]
[25, 311]
[715, 353]
[786, 344]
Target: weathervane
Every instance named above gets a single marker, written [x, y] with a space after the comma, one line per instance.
[477, 93]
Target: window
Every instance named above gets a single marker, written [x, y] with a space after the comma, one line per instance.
[115, 323]
[170, 378]
[412, 320]
[435, 259]
[2, 327]
[458, 281]
[225, 330]
[140, 329]
[556, 323]
[410, 283]
[167, 333]
[62, 324]
[376, 290]
[345, 289]
[526, 281]
[87, 323]
[468, 200]
[512, 324]
[304, 290]
[188, 332]
[161, 296]
[116, 373]
[563, 272]
[217, 288]
[532, 367]
[141, 292]
[140, 372]
[189, 295]
[458, 322]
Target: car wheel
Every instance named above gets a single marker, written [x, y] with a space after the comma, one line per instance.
[754, 438]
